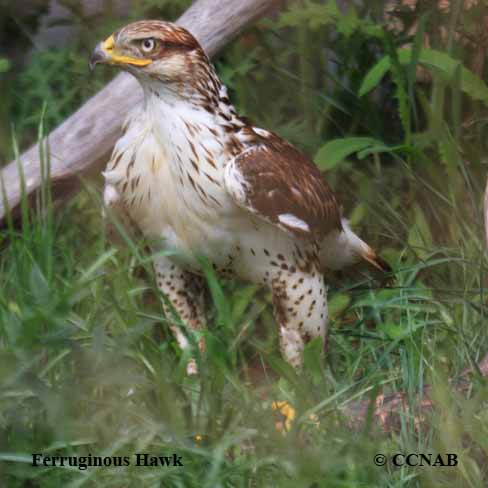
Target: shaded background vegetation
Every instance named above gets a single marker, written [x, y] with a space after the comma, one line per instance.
[83, 364]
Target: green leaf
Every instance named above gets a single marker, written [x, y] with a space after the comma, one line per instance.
[381, 148]
[374, 76]
[420, 236]
[392, 331]
[311, 357]
[338, 303]
[431, 59]
[311, 14]
[16, 458]
[39, 286]
[4, 65]
[219, 298]
[335, 151]
[243, 299]
[396, 332]
[398, 76]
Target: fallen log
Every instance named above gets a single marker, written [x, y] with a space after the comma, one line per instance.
[81, 145]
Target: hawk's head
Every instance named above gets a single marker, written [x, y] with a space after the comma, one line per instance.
[153, 49]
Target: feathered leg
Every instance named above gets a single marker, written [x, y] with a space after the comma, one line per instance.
[185, 292]
[300, 306]
[291, 270]
[183, 289]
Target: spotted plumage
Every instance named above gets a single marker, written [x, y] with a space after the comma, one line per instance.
[195, 177]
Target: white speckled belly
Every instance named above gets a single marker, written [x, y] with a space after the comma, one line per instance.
[165, 206]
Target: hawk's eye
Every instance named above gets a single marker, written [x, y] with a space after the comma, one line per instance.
[148, 45]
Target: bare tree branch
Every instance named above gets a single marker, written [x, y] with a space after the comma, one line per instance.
[81, 145]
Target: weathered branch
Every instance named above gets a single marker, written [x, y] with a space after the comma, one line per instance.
[81, 145]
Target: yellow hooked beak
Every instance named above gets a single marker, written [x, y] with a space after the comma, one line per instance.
[105, 53]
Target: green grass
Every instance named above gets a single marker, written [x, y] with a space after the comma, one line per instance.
[87, 362]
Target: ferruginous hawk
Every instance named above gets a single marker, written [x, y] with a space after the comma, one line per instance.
[195, 176]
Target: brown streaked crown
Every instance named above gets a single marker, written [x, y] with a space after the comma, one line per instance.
[154, 50]
[168, 36]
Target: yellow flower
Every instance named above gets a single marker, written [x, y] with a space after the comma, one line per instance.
[288, 412]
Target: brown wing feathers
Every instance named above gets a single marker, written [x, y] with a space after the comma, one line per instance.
[286, 188]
